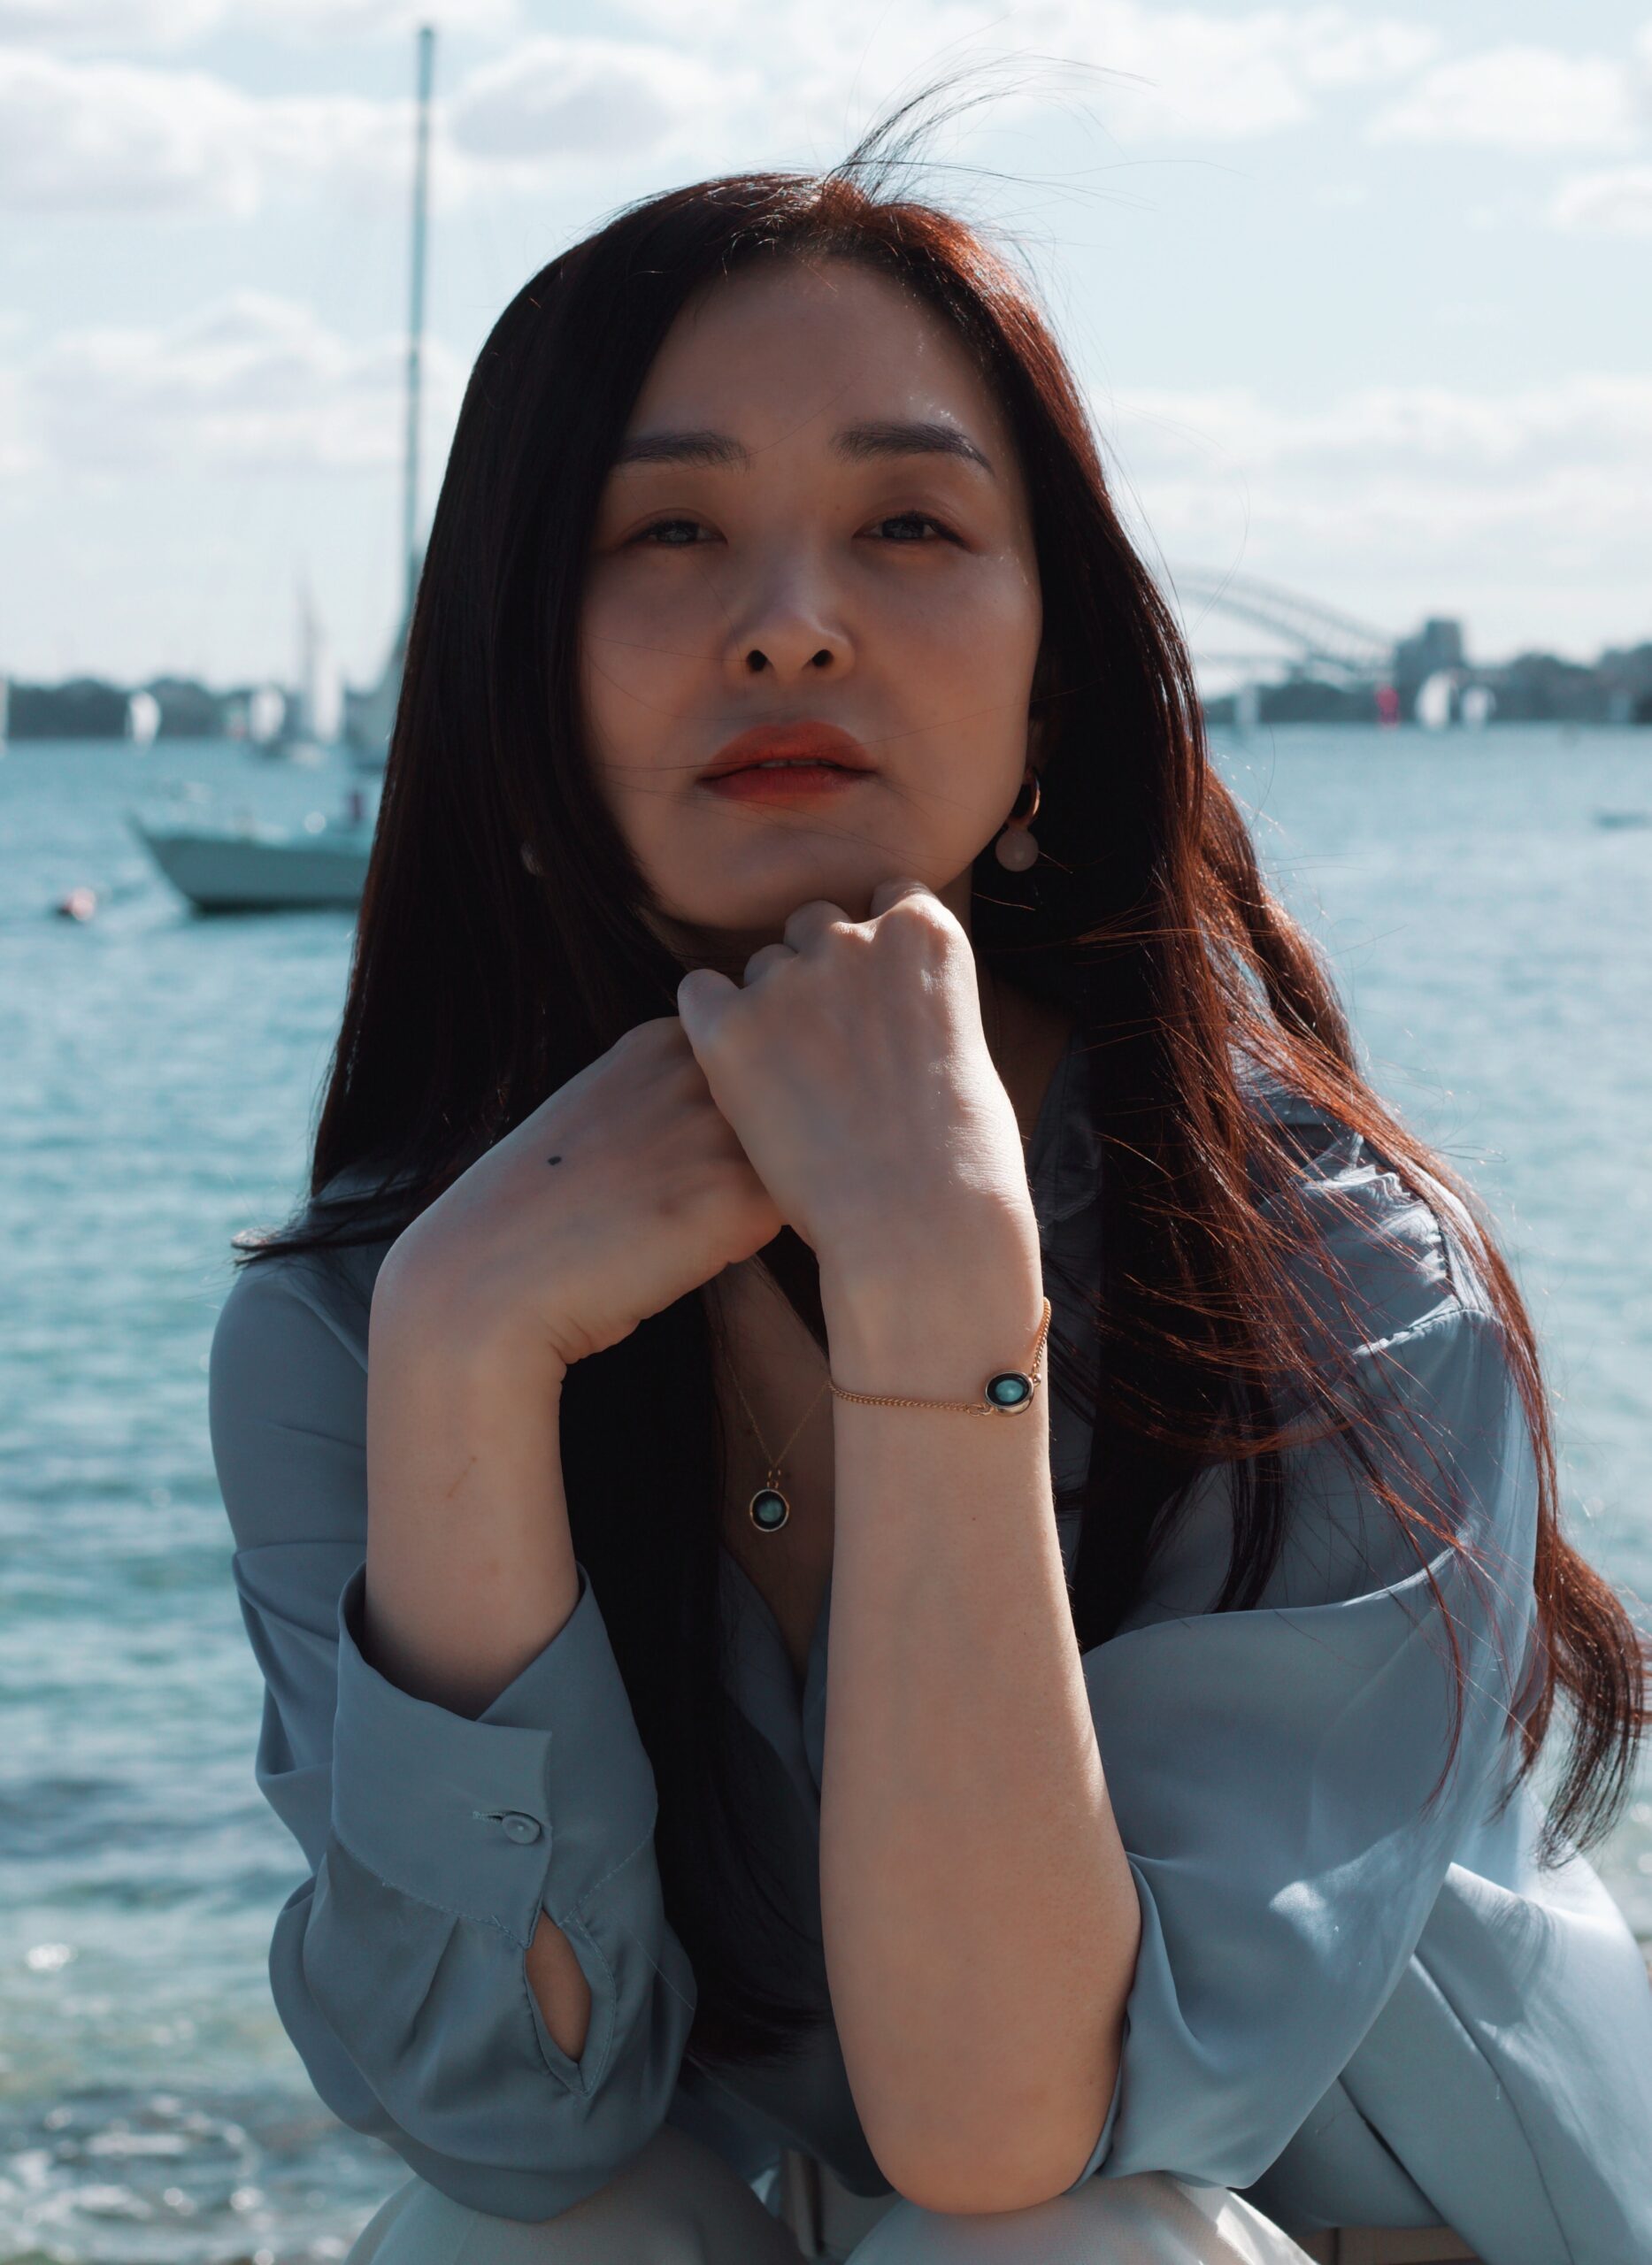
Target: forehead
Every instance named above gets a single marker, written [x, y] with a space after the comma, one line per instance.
[791, 351]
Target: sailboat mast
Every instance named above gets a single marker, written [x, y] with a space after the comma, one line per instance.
[416, 320]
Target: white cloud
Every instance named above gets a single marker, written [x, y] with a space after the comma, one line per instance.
[252, 384]
[1535, 493]
[101, 26]
[1343, 51]
[551, 101]
[85, 139]
[94, 135]
[1389, 428]
[128, 139]
[1615, 204]
[18, 452]
[1226, 76]
[107, 23]
[1522, 98]
[1164, 70]
[334, 21]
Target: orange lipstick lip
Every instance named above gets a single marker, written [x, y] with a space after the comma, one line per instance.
[804, 743]
[796, 782]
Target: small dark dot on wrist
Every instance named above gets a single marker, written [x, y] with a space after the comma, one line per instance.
[553, 1160]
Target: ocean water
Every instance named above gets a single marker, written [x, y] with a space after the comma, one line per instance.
[1489, 914]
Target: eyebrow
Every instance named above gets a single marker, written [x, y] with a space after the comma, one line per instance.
[885, 437]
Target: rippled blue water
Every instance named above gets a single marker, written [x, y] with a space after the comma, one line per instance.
[160, 1073]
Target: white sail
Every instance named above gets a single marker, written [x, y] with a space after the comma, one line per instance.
[143, 718]
[320, 689]
[326, 692]
[1436, 700]
[266, 712]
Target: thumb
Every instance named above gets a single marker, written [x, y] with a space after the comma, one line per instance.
[702, 999]
[889, 893]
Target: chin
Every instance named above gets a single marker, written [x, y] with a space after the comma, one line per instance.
[750, 909]
[761, 913]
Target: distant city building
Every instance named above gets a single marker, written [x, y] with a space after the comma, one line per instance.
[1541, 688]
[1437, 648]
[1437, 645]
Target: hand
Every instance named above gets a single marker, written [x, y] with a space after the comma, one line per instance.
[854, 1071]
[622, 1192]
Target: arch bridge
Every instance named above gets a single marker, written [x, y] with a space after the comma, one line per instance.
[1316, 640]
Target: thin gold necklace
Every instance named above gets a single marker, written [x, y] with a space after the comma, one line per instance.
[769, 1508]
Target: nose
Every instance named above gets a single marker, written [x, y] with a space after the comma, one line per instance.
[791, 629]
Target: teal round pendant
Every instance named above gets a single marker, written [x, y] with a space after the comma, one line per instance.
[768, 1510]
[1010, 1390]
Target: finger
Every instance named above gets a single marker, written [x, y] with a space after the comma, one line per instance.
[889, 893]
[702, 999]
[768, 955]
[810, 921]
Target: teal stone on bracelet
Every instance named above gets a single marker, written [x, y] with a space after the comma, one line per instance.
[1009, 1389]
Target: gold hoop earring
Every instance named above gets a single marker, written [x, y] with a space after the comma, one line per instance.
[1017, 846]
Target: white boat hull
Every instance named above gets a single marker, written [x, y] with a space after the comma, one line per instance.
[221, 869]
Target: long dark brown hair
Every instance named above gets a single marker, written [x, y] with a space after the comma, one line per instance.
[478, 987]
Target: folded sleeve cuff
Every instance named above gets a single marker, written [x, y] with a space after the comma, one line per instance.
[528, 1806]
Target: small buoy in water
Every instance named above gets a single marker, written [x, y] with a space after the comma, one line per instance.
[80, 905]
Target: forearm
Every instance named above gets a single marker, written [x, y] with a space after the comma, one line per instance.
[980, 1919]
[470, 1568]
[470, 1561]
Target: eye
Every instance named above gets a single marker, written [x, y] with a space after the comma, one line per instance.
[912, 524]
[670, 535]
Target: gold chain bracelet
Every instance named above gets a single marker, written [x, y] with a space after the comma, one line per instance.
[1005, 1393]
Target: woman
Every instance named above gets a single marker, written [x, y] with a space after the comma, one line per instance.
[830, 1133]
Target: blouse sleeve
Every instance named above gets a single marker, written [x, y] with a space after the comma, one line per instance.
[1269, 1770]
[433, 1840]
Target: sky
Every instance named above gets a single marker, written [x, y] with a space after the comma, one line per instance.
[1361, 296]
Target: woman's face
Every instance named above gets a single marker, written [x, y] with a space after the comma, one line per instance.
[817, 519]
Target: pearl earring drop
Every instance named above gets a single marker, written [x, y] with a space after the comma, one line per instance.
[530, 858]
[1017, 846]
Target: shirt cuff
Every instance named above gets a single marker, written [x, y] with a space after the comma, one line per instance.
[528, 1806]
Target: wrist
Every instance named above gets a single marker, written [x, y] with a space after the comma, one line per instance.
[935, 1332]
[431, 1321]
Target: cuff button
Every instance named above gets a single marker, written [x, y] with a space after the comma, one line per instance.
[520, 1827]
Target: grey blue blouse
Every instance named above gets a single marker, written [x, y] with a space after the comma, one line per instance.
[1352, 2007]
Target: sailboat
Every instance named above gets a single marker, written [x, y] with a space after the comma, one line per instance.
[245, 865]
[312, 720]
